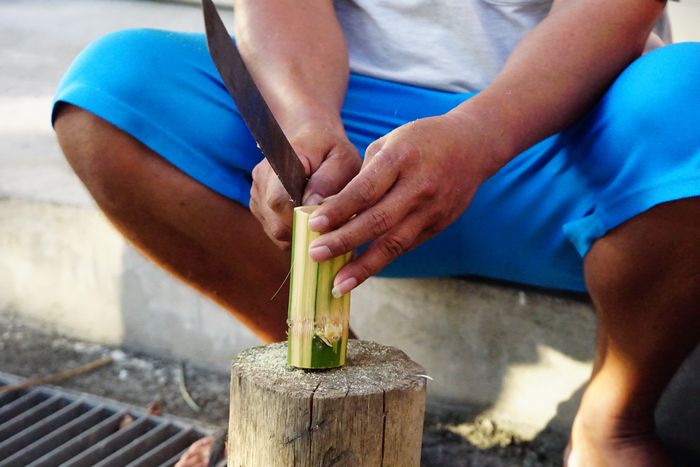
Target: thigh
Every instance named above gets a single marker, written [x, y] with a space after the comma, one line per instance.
[640, 146]
[162, 88]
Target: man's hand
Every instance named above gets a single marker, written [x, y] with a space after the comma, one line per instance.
[328, 157]
[414, 182]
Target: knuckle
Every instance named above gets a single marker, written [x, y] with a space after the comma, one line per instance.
[279, 233]
[428, 189]
[366, 190]
[343, 245]
[255, 208]
[283, 245]
[380, 221]
[319, 185]
[365, 270]
[407, 154]
[393, 246]
[373, 148]
[277, 203]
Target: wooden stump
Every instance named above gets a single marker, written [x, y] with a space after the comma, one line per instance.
[367, 413]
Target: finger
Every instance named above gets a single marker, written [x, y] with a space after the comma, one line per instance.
[362, 192]
[277, 231]
[341, 165]
[278, 200]
[267, 189]
[373, 149]
[380, 253]
[270, 204]
[368, 225]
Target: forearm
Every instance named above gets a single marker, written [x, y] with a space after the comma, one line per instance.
[557, 73]
[297, 55]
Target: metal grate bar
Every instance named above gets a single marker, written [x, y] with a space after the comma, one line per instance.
[167, 449]
[91, 436]
[138, 446]
[40, 429]
[10, 396]
[31, 416]
[112, 443]
[52, 448]
[19, 405]
[36, 453]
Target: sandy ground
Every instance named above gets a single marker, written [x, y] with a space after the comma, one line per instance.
[140, 380]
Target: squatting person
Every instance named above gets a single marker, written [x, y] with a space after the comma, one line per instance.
[551, 143]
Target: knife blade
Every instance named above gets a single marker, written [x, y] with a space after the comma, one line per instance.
[252, 106]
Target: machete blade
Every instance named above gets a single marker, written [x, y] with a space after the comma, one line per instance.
[252, 106]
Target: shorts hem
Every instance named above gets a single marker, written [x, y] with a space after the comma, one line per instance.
[584, 232]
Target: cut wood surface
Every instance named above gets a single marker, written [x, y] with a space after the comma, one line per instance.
[367, 413]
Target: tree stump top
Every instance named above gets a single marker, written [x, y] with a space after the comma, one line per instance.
[370, 368]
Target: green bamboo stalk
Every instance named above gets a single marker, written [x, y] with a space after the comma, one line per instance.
[318, 322]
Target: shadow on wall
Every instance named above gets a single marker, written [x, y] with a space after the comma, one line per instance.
[163, 316]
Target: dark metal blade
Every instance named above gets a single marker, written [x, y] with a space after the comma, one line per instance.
[252, 106]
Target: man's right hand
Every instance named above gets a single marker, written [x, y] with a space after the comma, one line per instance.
[330, 160]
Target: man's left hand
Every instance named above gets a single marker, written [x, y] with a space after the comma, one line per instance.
[414, 182]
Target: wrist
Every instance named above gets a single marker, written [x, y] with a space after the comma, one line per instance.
[487, 125]
[297, 117]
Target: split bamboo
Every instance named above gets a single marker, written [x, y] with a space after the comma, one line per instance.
[318, 322]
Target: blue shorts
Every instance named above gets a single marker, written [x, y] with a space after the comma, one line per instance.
[530, 223]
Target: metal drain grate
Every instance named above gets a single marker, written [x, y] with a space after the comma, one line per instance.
[50, 426]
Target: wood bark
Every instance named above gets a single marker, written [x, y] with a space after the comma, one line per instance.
[367, 413]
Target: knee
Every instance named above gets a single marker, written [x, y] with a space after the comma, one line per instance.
[90, 146]
[658, 88]
[656, 253]
[127, 65]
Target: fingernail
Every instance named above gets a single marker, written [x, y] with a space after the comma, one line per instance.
[312, 199]
[344, 287]
[320, 253]
[318, 223]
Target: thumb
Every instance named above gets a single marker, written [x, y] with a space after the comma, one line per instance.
[334, 173]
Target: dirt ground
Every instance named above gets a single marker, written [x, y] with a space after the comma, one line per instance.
[140, 380]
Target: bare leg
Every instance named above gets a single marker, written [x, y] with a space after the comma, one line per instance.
[644, 278]
[208, 241]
